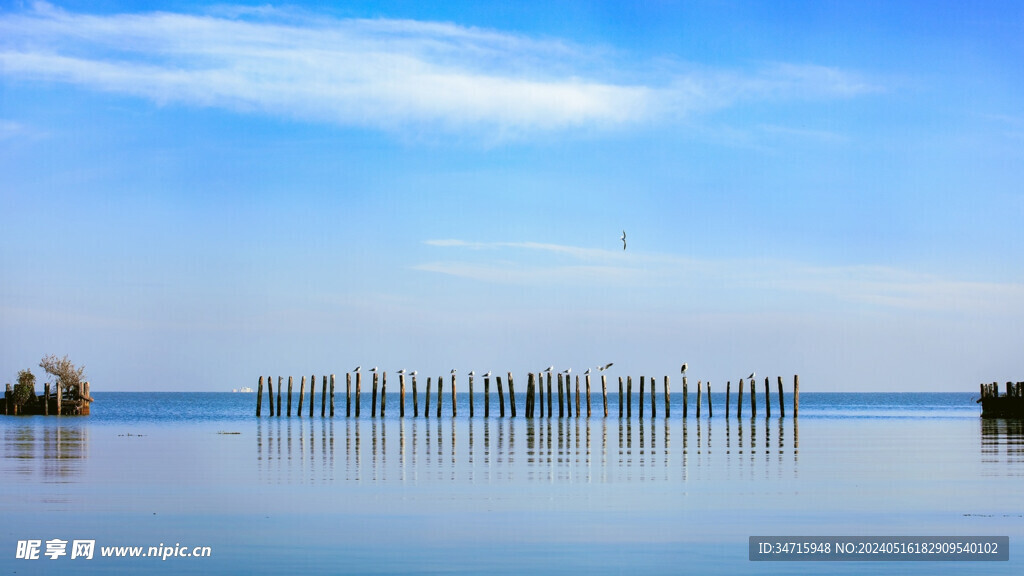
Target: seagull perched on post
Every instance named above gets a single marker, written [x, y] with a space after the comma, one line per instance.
[374, 369]
[357, 368]
[488, 375]
[472, 372]
[588, 371]
[683, 369]
[453, 370]
[751, 377]
[623, 239]
[413, 373]
[567, 370]
[549, 368]
[402, 371]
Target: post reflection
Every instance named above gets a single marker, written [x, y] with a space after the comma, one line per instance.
[1002, 444]
[62, 451]
[555, 450]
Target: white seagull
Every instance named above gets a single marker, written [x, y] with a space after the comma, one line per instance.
[607, 366]
[453, 370]
[413, 373]
[588, 371]
[751, 377]
[374, 369]
[683, 369]
[488, 375]
[567, 370]
[402, 371]
[549, 368]
[357, 368]
[472, 372]
[623, 239]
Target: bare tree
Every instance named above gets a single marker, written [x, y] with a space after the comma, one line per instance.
[67, 375]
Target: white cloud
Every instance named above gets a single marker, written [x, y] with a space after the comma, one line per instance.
[386, 74]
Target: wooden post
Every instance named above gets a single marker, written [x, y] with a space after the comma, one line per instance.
[588, 395]
[641, 397]
[87, 407]
[709, 400]
[332, 395]
[561, 406]
[529, 395]
[753, 398]
[654, 413]
[415, 399]
[453, 397]
[767, 398]
[323, 398]
[60, 399]
[796, 395]
[302, 394]
[622, 398]
[440, 386]
[487, 397]
[728, 391]
[511, 395]
[668, 395]
[698, 399]
[373, 399]
[550, 395]
[782, 407]
[270, 395]
[312, 393]
[383, 391]
[348, 394]
[280, 381]
[540, 388]
[685, 402]
[604, 393]
[401, 394]
[501, 397]
[289, 396]
[46, 399]
[259, 398]
[426, 400]
[578, 395]
[739, 400]
[359, 392]
[629, 397]
[471, 398]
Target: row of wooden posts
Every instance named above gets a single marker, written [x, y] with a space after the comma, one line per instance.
[1013, 390]
[534, 396]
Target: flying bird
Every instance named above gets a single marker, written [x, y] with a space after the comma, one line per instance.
[608, 365]
[623, 239]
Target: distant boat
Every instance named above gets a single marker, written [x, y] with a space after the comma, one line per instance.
[245, 389]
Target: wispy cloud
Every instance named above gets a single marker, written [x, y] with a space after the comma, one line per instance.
[387, 74]
[882, 286]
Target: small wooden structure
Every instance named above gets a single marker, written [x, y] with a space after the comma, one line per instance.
[1009, 405]
[59, 403]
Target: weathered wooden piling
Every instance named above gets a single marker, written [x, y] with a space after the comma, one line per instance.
[698, 399]
[588, 394]
[9, 394]
[629, 397]
[709, 400]
[373, 399]
[753, 398]
[259, 398]
[471, 398]
[348, 394]
[561, 406]
[487, 397]
[511, 395]
[401, 395]
[359, 392]
[728, 392]
[453, 396]
[621, 398]
[654, 411]
[767, 398]
[782, 405]
[332, 395]
[550, 413]
[501, 397]
[426, 400]
[604, 393]
[312, 393]
[46, 399]
[641, 397]
[415, 399]
[383, 391]
[440, 388]
[280, 381]
[323, 398]
[270, 395]
[685, 401]
[578, 396]
[529, 395]
[60, 401]
[796, 395]
[668, 396]
[289, 396]
[302, 394]
[739, 400]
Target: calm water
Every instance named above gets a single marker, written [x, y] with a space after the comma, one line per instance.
[458, 495]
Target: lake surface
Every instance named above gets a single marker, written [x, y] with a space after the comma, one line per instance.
[392, 495]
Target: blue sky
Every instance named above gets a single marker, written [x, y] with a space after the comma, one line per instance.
[195, 194]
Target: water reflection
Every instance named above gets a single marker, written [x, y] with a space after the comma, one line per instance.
[549, 450]
[1002, 442]
[61, 450]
